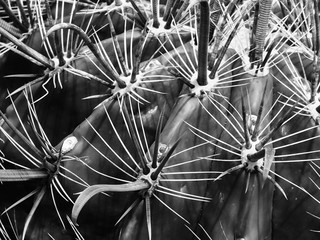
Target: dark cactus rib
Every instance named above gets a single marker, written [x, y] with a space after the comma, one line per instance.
[10, 28]
[257, 126]
[26, 49]
[92, 47]
[155, 13]
[13, 18]
[262, 27]
[203, 43]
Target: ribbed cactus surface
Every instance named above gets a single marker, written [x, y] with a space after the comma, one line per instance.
[159, 119]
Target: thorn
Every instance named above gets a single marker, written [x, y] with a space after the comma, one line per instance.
[138, 55]
[22, 137]
[41, 141]
[248, 181]
[13, 17]
[224, 50]
[134, 138]
[256, 156]
[230, 170]
[275, 183]
[155, 174]
[173, 12]
[92, 190]
[117, 46]
[43, 60]
[267, 137]
[157, 139]
[134, 5]
[148, 216]
[56, 41]
[268, 160]
[265, 60]
[155, 13]
[262, 27]
[257, 126]
[132, 206]
[92, 47]
[168, 9]
[245, 124]
[203, 43]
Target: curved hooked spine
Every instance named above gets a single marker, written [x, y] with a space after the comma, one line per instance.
[89, 192]
[155, 13]
[91, 46]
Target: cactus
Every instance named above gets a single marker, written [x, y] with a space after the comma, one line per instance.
[159, 119]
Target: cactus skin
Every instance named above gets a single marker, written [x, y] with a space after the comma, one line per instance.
[208, 187]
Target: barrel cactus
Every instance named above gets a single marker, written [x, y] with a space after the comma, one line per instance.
[159, 119]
